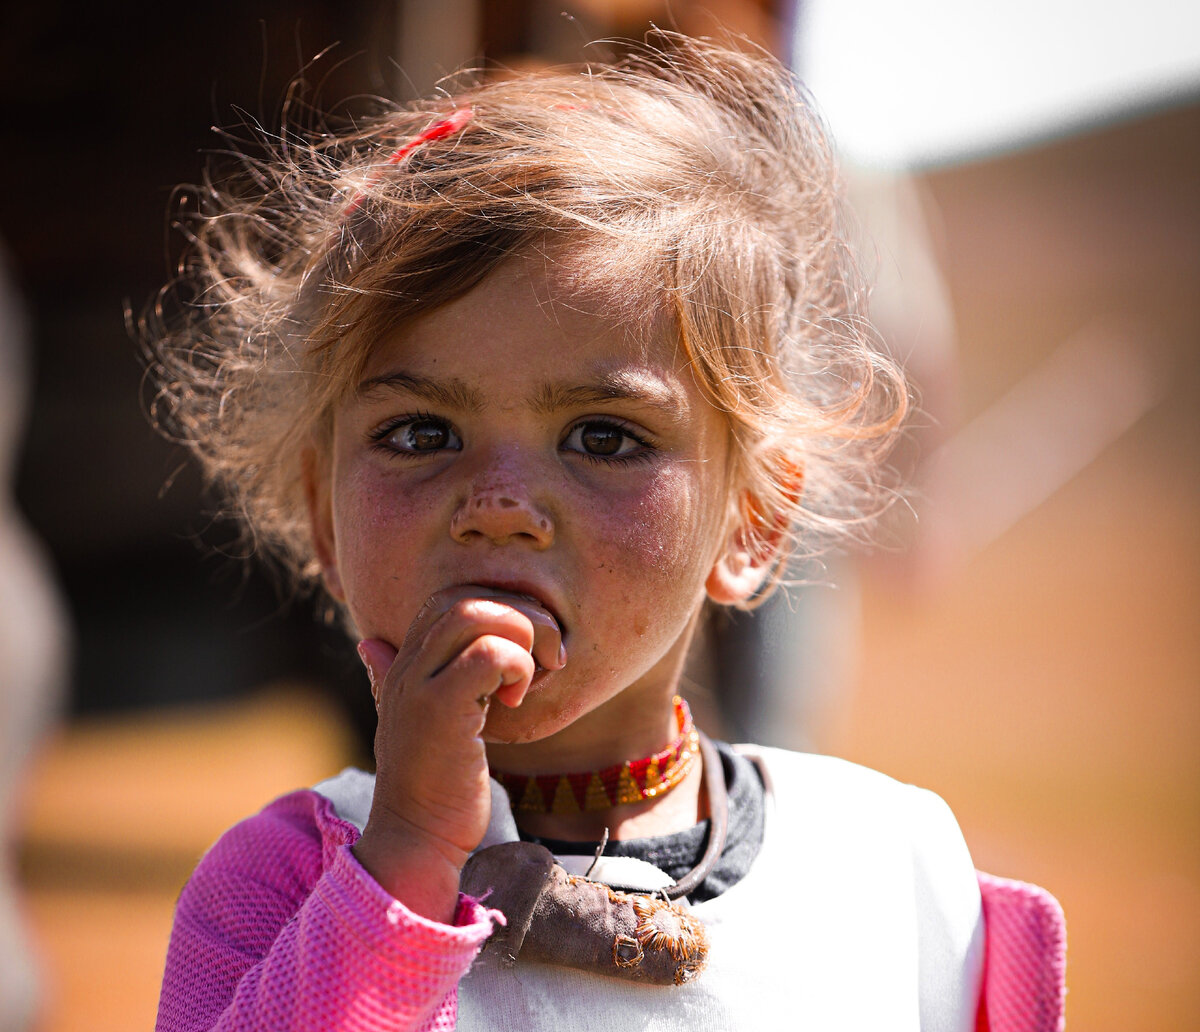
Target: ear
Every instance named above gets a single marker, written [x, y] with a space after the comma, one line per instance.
[756, 540]
[315, 470]
[743, 565]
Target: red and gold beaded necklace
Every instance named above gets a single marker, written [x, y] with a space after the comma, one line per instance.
[628, 782]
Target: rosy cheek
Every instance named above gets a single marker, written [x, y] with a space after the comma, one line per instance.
[373, 526]
[671, 519]
[657, 536]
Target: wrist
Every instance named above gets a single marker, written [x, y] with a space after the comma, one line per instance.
[420, 872]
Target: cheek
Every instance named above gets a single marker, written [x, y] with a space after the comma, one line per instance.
[375, 533]
[658, 544]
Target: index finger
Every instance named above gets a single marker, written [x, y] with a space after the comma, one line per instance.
[547, 648]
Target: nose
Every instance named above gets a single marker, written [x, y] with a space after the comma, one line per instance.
[499, 509]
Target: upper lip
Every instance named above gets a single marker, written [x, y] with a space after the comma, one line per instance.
[516, 586]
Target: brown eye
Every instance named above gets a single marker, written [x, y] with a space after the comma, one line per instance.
[601, 439]
[427, 436]
[421, 436]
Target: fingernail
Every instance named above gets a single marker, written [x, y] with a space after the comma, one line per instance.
[562, 654]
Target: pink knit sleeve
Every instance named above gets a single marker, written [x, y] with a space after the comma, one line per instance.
[1025, 976]
[280, 927]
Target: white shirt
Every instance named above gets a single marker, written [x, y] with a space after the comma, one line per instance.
[861, 912]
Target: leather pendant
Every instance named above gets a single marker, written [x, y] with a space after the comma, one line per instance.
[559, 918]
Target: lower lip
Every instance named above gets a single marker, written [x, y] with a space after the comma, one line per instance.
[541, 605]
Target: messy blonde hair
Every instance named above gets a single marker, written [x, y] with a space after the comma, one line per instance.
[703, 173]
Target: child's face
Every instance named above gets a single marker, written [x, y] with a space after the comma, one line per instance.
[516, 439]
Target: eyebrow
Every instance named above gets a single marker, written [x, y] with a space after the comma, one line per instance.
[451, 392]
[637, 388]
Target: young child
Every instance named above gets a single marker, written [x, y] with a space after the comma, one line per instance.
[521, 377]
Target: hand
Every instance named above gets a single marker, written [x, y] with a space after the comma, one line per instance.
[467, 647]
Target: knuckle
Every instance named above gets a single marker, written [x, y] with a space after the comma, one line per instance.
[486, 650]
[495, 654]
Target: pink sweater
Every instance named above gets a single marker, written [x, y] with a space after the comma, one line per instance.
[320, 946]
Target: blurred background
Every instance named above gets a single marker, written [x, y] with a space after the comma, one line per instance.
[1029, 647]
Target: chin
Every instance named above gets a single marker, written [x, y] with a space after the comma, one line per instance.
[513, 731]
[529, 722]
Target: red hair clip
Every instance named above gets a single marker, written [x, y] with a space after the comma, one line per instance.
[452, 123]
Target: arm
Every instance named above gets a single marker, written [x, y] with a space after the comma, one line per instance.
[1025, 978]
[468, 647]
[280, 927]
[295, 920]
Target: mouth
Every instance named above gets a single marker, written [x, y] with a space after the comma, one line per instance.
[525, 589]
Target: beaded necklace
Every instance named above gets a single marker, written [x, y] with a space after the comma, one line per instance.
[628, 782]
